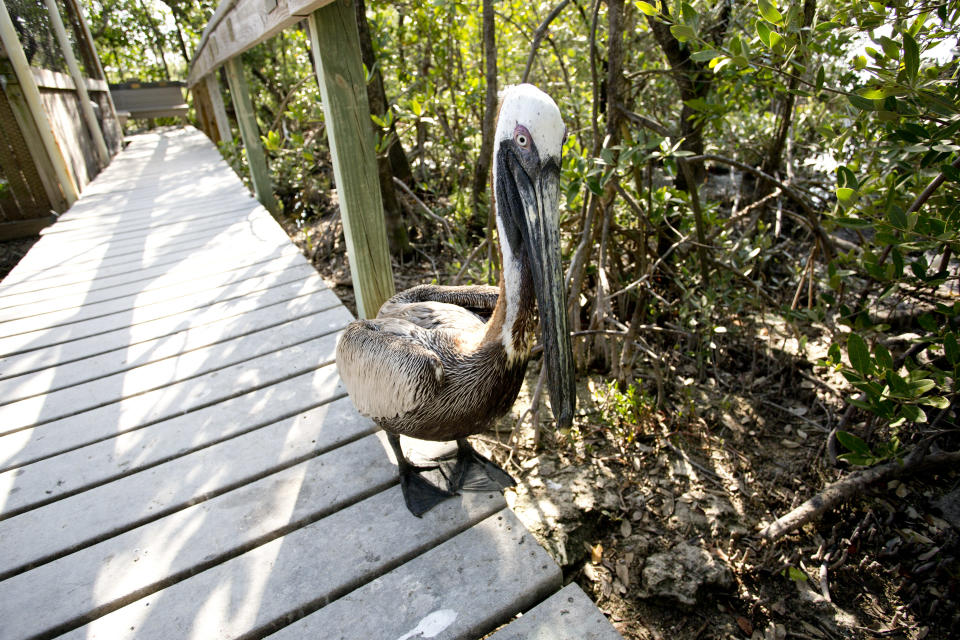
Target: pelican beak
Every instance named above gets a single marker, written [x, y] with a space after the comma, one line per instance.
[540, 229]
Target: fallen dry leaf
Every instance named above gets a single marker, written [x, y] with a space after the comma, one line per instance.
[596, 553]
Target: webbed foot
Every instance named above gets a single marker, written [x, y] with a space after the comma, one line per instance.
[476, 473]
[420, 489]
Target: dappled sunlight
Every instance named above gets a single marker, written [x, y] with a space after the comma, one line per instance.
[153, 555]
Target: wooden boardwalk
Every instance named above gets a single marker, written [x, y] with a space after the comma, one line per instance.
[179, 460]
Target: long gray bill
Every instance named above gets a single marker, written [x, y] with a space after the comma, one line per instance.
[543, 232]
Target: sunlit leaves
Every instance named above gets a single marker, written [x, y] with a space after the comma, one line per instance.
[647, 8]
[769, 12]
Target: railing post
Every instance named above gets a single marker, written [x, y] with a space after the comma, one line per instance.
[82, 96]
[250, 133]
[219, 111]
[336, 50]
[34, 123]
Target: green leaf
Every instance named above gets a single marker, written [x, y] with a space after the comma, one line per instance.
[859, 354]
[769, 12]
[834, 352]
[796, 575]
[853, 223]
[846, 194]
[690, 15]
[937, 402]
[884, 359]
[874, 94]
[890, 47]
[683, 32]
[763, 31]
[861, 103]
[853, 443]
[710, 54]
[927, 321]
[912, 413]
[951, 349]
[647, 8]
[911, 56]
[897, 217]
[920, 387]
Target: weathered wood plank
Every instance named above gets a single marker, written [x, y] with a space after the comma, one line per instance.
[279, 260]
[51, 479]
[139, 185]
[133, 499]
[209, 231]
[566, 615]
[41, 338]
[239, 25]
[120, 222]
[336, 50]
[68, 374]
[302, 570]
[84, 306]
[216, 102]
[131, 339]
[88, 281]
[100, 577]
[470, 583]
[80, 85]
[29, 444]
[24, 98]
[250, 132]
[108, 389]
[255, 232]
[164, 240]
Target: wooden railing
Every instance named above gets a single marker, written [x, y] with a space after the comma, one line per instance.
[53, 141]
[238, 25]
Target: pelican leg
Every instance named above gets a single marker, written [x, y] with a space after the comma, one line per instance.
[423, 487]
[476, 473]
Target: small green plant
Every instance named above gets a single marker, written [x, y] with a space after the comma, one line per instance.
[861, 454]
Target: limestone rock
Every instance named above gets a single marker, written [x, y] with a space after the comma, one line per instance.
[680, 573]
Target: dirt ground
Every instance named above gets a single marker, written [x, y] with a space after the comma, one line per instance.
[11, 251]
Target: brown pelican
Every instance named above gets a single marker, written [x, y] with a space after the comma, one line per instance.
[442, 363]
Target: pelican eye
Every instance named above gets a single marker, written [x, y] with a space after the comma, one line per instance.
[522, 137]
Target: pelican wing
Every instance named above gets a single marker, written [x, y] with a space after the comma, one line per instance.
[387, 366]
[434, 306]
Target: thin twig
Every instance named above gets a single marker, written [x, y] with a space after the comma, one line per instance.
[539, 34]
[423, 205]
[286, 99]
[469, 259]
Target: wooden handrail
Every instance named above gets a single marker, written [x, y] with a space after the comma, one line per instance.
[238, 25]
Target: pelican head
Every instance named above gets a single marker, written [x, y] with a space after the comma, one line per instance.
[526, 174]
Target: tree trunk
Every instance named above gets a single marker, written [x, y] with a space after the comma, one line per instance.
[481, 173]
[376, 96]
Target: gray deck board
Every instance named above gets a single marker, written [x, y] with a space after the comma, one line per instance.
[178, 456]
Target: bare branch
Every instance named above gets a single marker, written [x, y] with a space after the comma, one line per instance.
[835, 493]
[539, 34]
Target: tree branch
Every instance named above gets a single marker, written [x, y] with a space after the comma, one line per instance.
[835, 493]
[539, 34]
